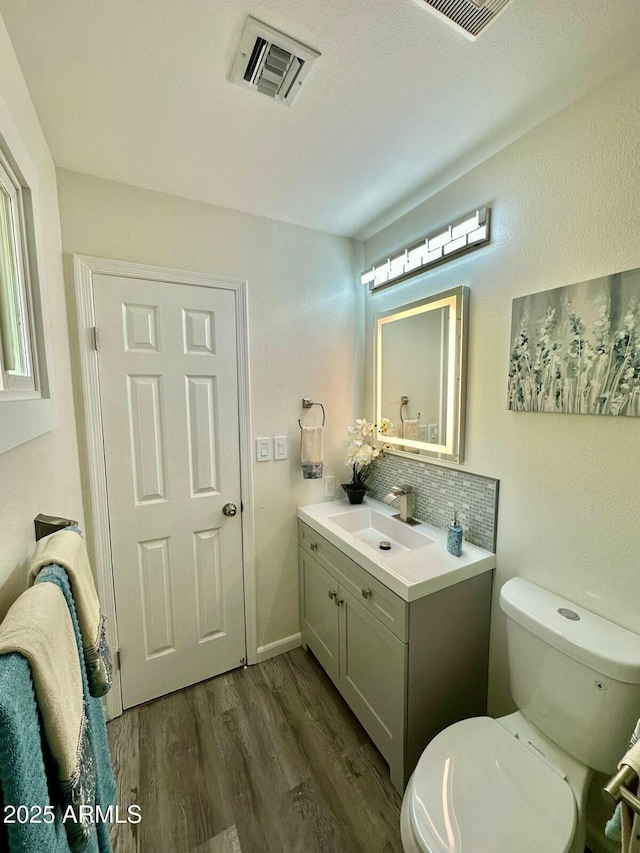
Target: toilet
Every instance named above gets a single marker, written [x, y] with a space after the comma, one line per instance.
[519, 784]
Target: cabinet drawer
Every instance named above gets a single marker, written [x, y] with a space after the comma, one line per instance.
[385, 605]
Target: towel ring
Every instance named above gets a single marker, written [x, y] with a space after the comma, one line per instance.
[307, 403]
[403, 402]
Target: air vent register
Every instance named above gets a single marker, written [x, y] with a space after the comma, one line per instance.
[271, 63]
[467, 16]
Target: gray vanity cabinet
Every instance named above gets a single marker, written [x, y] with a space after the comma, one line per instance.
[363, 658]
[406, 669]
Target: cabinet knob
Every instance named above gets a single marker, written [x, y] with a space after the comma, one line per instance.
[332, 594]
[338, 601]
[313, 546]
[366, 593]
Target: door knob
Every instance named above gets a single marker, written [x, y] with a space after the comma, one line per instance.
[230, 510]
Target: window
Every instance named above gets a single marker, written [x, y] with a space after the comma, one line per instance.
[18, 359]
[28, 227]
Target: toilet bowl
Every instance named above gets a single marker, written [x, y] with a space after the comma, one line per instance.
[518, 784]
[482, 788]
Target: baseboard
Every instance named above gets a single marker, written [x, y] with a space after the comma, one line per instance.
[279, 647]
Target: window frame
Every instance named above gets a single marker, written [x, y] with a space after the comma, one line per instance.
[16, 385]
[24, 414]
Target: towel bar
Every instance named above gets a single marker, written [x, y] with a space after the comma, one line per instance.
[616, 788]
[46, 524]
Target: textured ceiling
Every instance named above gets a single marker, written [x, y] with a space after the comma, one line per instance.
[398, 104]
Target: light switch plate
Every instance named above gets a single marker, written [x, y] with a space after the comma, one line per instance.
[281, 447]
[264, 450]
[329, 487]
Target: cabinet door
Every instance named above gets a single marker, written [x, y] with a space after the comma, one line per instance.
[372, 677]
[318, 612]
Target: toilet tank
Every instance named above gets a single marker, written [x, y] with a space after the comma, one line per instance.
[576, 679]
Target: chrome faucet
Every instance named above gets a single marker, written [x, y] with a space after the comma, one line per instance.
[407, 503]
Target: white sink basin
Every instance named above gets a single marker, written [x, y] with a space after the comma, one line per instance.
[417, 563]
[372, 527]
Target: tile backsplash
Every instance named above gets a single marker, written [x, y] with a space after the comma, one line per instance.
[439, 492]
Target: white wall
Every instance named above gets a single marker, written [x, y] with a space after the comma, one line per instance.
[41, 475]
[565, 202]
[305, 331]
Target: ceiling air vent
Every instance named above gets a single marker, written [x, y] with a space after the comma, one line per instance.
[468, 16]
[271, 63]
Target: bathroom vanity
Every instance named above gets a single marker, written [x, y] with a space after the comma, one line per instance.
[403, 631]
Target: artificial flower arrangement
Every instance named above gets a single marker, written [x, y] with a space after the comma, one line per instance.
[361, 451]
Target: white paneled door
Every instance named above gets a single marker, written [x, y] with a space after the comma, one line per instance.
[169, 392]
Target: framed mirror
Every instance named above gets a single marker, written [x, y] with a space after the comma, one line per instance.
[420, 375]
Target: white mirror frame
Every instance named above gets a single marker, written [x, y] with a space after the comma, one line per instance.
[452, 448]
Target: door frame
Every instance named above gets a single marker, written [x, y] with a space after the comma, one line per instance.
[96, 500]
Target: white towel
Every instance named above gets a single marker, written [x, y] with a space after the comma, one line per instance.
[311, 452]
[410, 430]
[38, 626]
[67, 548]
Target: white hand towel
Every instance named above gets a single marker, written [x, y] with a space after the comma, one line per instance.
[311, 452]
[410, 430]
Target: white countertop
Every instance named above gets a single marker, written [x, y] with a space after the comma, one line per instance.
[410, 574]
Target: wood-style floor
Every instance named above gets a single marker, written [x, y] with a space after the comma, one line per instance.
[264, 759]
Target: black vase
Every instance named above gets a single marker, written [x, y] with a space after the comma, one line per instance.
[354, 493]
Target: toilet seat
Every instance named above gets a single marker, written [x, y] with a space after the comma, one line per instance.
[478, 789]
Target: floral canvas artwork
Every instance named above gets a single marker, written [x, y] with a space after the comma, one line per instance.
[576, 349]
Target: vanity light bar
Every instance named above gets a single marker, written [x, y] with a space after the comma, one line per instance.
[468, 232]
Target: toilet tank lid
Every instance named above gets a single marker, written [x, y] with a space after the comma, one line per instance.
[605, 647]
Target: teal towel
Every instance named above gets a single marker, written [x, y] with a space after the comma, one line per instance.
[22, 769]
[613, 827]
[23, 775]
[106, 789]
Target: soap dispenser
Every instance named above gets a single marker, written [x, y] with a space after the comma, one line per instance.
[454, 537]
